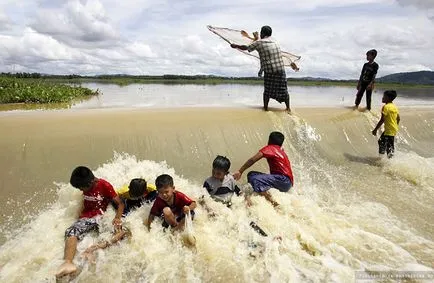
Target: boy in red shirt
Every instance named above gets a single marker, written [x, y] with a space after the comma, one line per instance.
[97, 193]
[170, 205]
[280, 176]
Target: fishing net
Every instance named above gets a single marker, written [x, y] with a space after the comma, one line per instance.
[188, 234]
[241, 37]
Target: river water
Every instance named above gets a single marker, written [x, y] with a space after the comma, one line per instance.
[348, 211]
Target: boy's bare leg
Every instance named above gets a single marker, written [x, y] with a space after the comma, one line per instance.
[169, 217]
[88, 253]
[268, 197]
[68, 266]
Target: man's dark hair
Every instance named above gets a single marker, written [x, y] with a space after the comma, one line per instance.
[81, 177]
[222, 163]
[163, 181]
[276, 138]
[266, 31]
[137, 187]
[391, 94]
[372, 52]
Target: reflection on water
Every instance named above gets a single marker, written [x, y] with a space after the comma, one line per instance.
[226, 95]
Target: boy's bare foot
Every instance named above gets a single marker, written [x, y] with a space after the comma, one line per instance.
[288, 110]
[65, 269]
[355, 107]
[265, 108]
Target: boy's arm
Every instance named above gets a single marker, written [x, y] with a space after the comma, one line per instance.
[207, 186]
[360, 78]
[150, 219]
[371, 84]
[374, 131]
[252, 160]
[237, 190]
[190, 207]
[117, 220]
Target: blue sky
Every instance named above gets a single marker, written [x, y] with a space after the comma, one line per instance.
[170, 37]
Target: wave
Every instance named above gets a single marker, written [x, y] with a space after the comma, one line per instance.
[348, 211]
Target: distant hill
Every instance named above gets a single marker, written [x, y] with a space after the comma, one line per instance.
[422, 77]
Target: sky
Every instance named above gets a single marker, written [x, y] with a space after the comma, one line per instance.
[156, 37]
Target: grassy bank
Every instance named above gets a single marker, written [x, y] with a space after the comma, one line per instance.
[59, 89]
[29, 90]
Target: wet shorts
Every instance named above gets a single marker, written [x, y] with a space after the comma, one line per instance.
[262, 182]
[386, 144]
[81, 227]
[178, 219]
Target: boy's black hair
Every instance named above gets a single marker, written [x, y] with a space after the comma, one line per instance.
[266, 31]
[137, 187]
[391, 94]
[81, 177]
[276, 138]
[373, 52]
[163, 181]
[221, 162]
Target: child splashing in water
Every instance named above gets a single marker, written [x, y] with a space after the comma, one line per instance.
[97, 193]
[280, 176]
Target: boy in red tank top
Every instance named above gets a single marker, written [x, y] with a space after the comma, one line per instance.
[280, 176]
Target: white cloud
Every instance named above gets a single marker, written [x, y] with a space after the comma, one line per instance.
[77, 23]
[167, 36]
[423, 4]
[5, 22]
[140, 50]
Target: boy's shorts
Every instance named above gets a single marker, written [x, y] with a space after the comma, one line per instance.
[386, 144]
[178, 219]
[262, 182]
[81, 227]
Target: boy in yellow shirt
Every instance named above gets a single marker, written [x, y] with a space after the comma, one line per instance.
[136, 193]
[390, 118]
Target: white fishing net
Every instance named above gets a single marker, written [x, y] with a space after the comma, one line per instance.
[241, 37]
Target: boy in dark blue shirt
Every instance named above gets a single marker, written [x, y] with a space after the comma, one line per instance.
[366, 80]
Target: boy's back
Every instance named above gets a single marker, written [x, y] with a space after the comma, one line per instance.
[390, 113]
[277, 161]
[124, 192]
